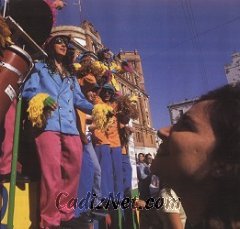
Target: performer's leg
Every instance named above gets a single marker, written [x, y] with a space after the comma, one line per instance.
[96, 188]
[103, 154]
[49, 150]
[86, 181]
[71, 167]
[116, 155]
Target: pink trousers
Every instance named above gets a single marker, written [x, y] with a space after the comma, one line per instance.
[7, 144]
[60, 158]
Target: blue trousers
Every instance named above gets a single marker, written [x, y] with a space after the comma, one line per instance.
[90, 178]
[104, 158]
[110, 159]
[116, 156]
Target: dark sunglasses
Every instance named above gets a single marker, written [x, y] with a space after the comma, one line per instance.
[107, 90]
[95, 89]
[61, 40]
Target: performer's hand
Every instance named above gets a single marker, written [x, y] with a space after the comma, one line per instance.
[140, 204]
[50, 102]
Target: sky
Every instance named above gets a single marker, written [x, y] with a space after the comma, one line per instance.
[183, 44]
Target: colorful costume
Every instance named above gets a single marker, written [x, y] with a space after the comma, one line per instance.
[116, 155]
[58, 144]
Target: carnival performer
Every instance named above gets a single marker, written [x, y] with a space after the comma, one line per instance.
[108, 67]
[101, 145]
[111, 158]
[90, 166]
[53, 94]
[125, 133]
[126, 110]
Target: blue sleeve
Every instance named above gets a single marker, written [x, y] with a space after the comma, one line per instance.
[31, 86]
[80, 100]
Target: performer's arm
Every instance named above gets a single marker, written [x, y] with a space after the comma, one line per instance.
[31, 86]
[80, 100]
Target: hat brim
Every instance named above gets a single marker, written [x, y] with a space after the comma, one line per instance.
[53, 37]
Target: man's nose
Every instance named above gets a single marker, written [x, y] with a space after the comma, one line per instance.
[164, 132]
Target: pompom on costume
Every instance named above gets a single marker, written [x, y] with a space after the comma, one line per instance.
[98, 68]
[35, 110]
[102, 115]
[77, 67]
[102, 112]
[126, 108]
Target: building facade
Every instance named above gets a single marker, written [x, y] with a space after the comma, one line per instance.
[86, 37]
[133, 83]
[232, 70]
[176, 110]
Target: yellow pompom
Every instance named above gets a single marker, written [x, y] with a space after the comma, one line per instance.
[134, 98]
[115, 67]
[98, 68]
[36, 110]
[102, 116]
[115, 84]
[77, 66]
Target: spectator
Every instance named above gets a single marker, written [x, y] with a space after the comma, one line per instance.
[200, 159]
[140, 158]
[144, 176]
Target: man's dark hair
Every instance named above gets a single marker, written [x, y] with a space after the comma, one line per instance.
[225, 120]
[147, 155]
[224, 114]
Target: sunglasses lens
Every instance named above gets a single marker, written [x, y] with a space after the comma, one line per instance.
[110, 92]
[61, 40]
[95, 89]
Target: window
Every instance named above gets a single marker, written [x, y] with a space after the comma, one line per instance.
[151, 139]
[180, 113]
[139, 137]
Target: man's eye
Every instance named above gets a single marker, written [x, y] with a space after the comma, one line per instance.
[184, 125]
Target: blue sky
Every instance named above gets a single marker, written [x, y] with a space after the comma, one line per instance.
[183, 44]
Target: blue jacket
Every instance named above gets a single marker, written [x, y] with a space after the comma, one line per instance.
[66, 92]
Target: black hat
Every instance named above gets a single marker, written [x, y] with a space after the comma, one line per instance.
[52, 38]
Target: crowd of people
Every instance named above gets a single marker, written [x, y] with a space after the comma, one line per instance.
[81, 129]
